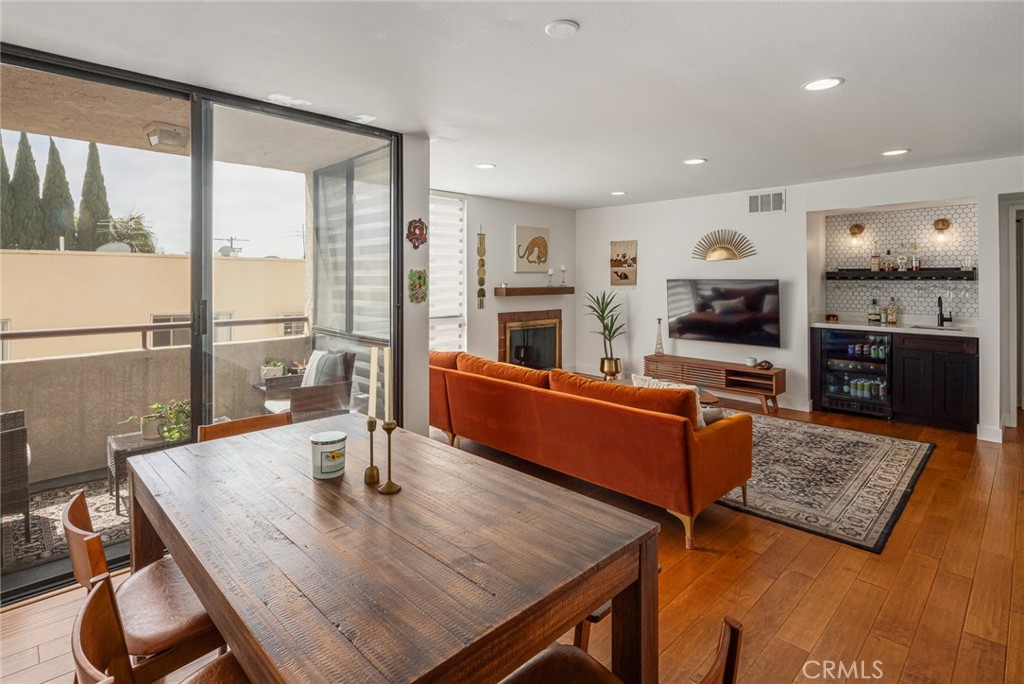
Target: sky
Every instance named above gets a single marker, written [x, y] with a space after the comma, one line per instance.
[264, 206]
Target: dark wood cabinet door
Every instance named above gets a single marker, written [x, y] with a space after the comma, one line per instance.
[913, 384]
[956, 388]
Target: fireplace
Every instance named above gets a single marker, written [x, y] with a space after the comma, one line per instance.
[531, 338]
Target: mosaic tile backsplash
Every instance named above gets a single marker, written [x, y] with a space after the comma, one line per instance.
[891, 230]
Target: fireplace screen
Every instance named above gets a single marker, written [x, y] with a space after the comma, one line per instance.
[534, 344]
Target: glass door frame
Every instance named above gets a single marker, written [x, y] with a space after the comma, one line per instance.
[201, 229]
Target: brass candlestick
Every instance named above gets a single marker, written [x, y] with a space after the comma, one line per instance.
[389, 487]
[371, 475]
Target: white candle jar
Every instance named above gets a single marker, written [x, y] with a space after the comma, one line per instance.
[328, 454]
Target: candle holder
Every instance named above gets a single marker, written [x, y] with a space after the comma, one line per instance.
[563, 278]
[371, 475]
[389, 487]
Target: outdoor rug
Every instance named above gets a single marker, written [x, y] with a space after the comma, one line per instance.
[48, 543]
[844, 485]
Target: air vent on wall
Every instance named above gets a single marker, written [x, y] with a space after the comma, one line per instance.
[769, 201]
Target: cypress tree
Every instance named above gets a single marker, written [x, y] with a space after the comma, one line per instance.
[57, 205]
[6, 224]
[26, 215]
[93, 207]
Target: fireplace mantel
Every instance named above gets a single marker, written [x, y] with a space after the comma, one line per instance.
[533, 291]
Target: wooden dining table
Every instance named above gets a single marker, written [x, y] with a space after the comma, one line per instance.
[462, 576]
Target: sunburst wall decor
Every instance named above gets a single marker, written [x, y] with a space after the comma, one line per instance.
[723, 244]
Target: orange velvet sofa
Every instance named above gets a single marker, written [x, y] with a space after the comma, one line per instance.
[634, 440]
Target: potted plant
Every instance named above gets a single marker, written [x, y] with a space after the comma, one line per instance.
[605, 309]
[177, 419]
[272, 368]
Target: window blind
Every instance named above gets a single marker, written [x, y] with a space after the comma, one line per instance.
[447, 273]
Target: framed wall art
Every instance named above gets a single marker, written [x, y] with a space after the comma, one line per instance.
[531, 249]
[623, 262]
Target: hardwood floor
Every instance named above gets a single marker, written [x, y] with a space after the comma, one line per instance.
[944, 602]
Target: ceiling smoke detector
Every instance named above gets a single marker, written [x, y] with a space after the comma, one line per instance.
[167, 137]
[563, 28]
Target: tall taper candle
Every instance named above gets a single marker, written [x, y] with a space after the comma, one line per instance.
[389, 407]
[372, 410]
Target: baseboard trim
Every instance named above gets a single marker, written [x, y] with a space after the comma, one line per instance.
[990, 433]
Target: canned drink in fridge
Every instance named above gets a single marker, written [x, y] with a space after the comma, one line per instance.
[851, 350]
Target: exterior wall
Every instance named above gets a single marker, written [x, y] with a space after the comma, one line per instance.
[72, 403]
[47, 289]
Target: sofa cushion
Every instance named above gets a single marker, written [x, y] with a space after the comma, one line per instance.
[332, 367]
[444, 359]
[502, 371]
[654, 383]
[671, 401]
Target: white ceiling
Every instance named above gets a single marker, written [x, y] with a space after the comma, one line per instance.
[641, 87]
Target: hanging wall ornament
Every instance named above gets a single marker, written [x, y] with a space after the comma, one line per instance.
[416, 233]
[481, 267]
[417, 286]
[722, 245]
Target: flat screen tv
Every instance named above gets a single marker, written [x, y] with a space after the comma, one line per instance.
[737, 311]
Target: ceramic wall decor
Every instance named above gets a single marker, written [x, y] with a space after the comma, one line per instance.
[623, 262]
[723, 245]
[416, 232]
[481, 267]
[531, 249]
[417, 285]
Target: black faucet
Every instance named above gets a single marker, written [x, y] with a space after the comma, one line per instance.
[943, 319]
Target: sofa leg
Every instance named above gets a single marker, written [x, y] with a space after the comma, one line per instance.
[451, 438]
[687, 526]
[456, 441]
[743, 488]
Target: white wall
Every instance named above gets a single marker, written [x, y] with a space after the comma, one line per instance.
[415, 317]
[499, 218]
[668, 230]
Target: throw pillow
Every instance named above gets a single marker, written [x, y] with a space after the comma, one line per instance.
[334, 366]
[712, 414]
[662, 400]
[729, 306]
[644, 381]
[502, 371]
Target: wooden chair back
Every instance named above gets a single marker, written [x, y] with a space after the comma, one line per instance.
[243, 425]
[726, 666]
[97, 641]
[318, 401]
[88, 559]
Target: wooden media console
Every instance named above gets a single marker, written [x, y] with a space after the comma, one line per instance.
[766, 385]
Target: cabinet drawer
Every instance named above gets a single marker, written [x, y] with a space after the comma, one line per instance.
[951, 345]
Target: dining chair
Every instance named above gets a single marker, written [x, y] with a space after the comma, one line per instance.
[726, 666]
[581, 635]
[241, 426]
[14, 461]
[162, 619]
[101, 652]
[563, 664]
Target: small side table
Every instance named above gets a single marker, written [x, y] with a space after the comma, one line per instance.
[119, 448]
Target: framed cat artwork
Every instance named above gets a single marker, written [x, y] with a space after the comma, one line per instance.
[531, 249]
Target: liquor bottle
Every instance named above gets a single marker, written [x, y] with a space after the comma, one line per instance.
[915, 260]
[887, 263]
[892, 311]
[874, 313]
[876, 258]
[901, 258]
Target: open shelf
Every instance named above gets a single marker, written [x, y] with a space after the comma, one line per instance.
[533, 291]
[923, 274]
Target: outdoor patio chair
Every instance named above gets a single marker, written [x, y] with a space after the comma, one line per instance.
[323, 368]
[14, 461]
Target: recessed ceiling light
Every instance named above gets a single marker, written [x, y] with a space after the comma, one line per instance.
[823, 83]
[287, 100]
[694, 162]
[563, 28]
[487, 166]
[894, 153]
[618, 193]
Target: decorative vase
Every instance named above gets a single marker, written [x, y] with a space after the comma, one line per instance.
[271, 372]
[659, 347]
[611, 367]
[150, 426]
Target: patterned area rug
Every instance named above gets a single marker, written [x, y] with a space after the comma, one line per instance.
[48, 542]
[844, 485]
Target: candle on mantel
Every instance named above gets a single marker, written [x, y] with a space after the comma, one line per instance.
[563, 268]
[551, 271]
[389, 408]
[374, 352]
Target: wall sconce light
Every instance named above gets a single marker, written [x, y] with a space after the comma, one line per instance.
[167, 137]
[941, 226]
[856, 230]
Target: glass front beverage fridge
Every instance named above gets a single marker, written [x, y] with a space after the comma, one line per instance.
[856, 372]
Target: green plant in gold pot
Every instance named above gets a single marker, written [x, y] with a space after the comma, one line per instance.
[605, 309]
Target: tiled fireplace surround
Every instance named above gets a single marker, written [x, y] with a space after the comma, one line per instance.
[523, 317]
